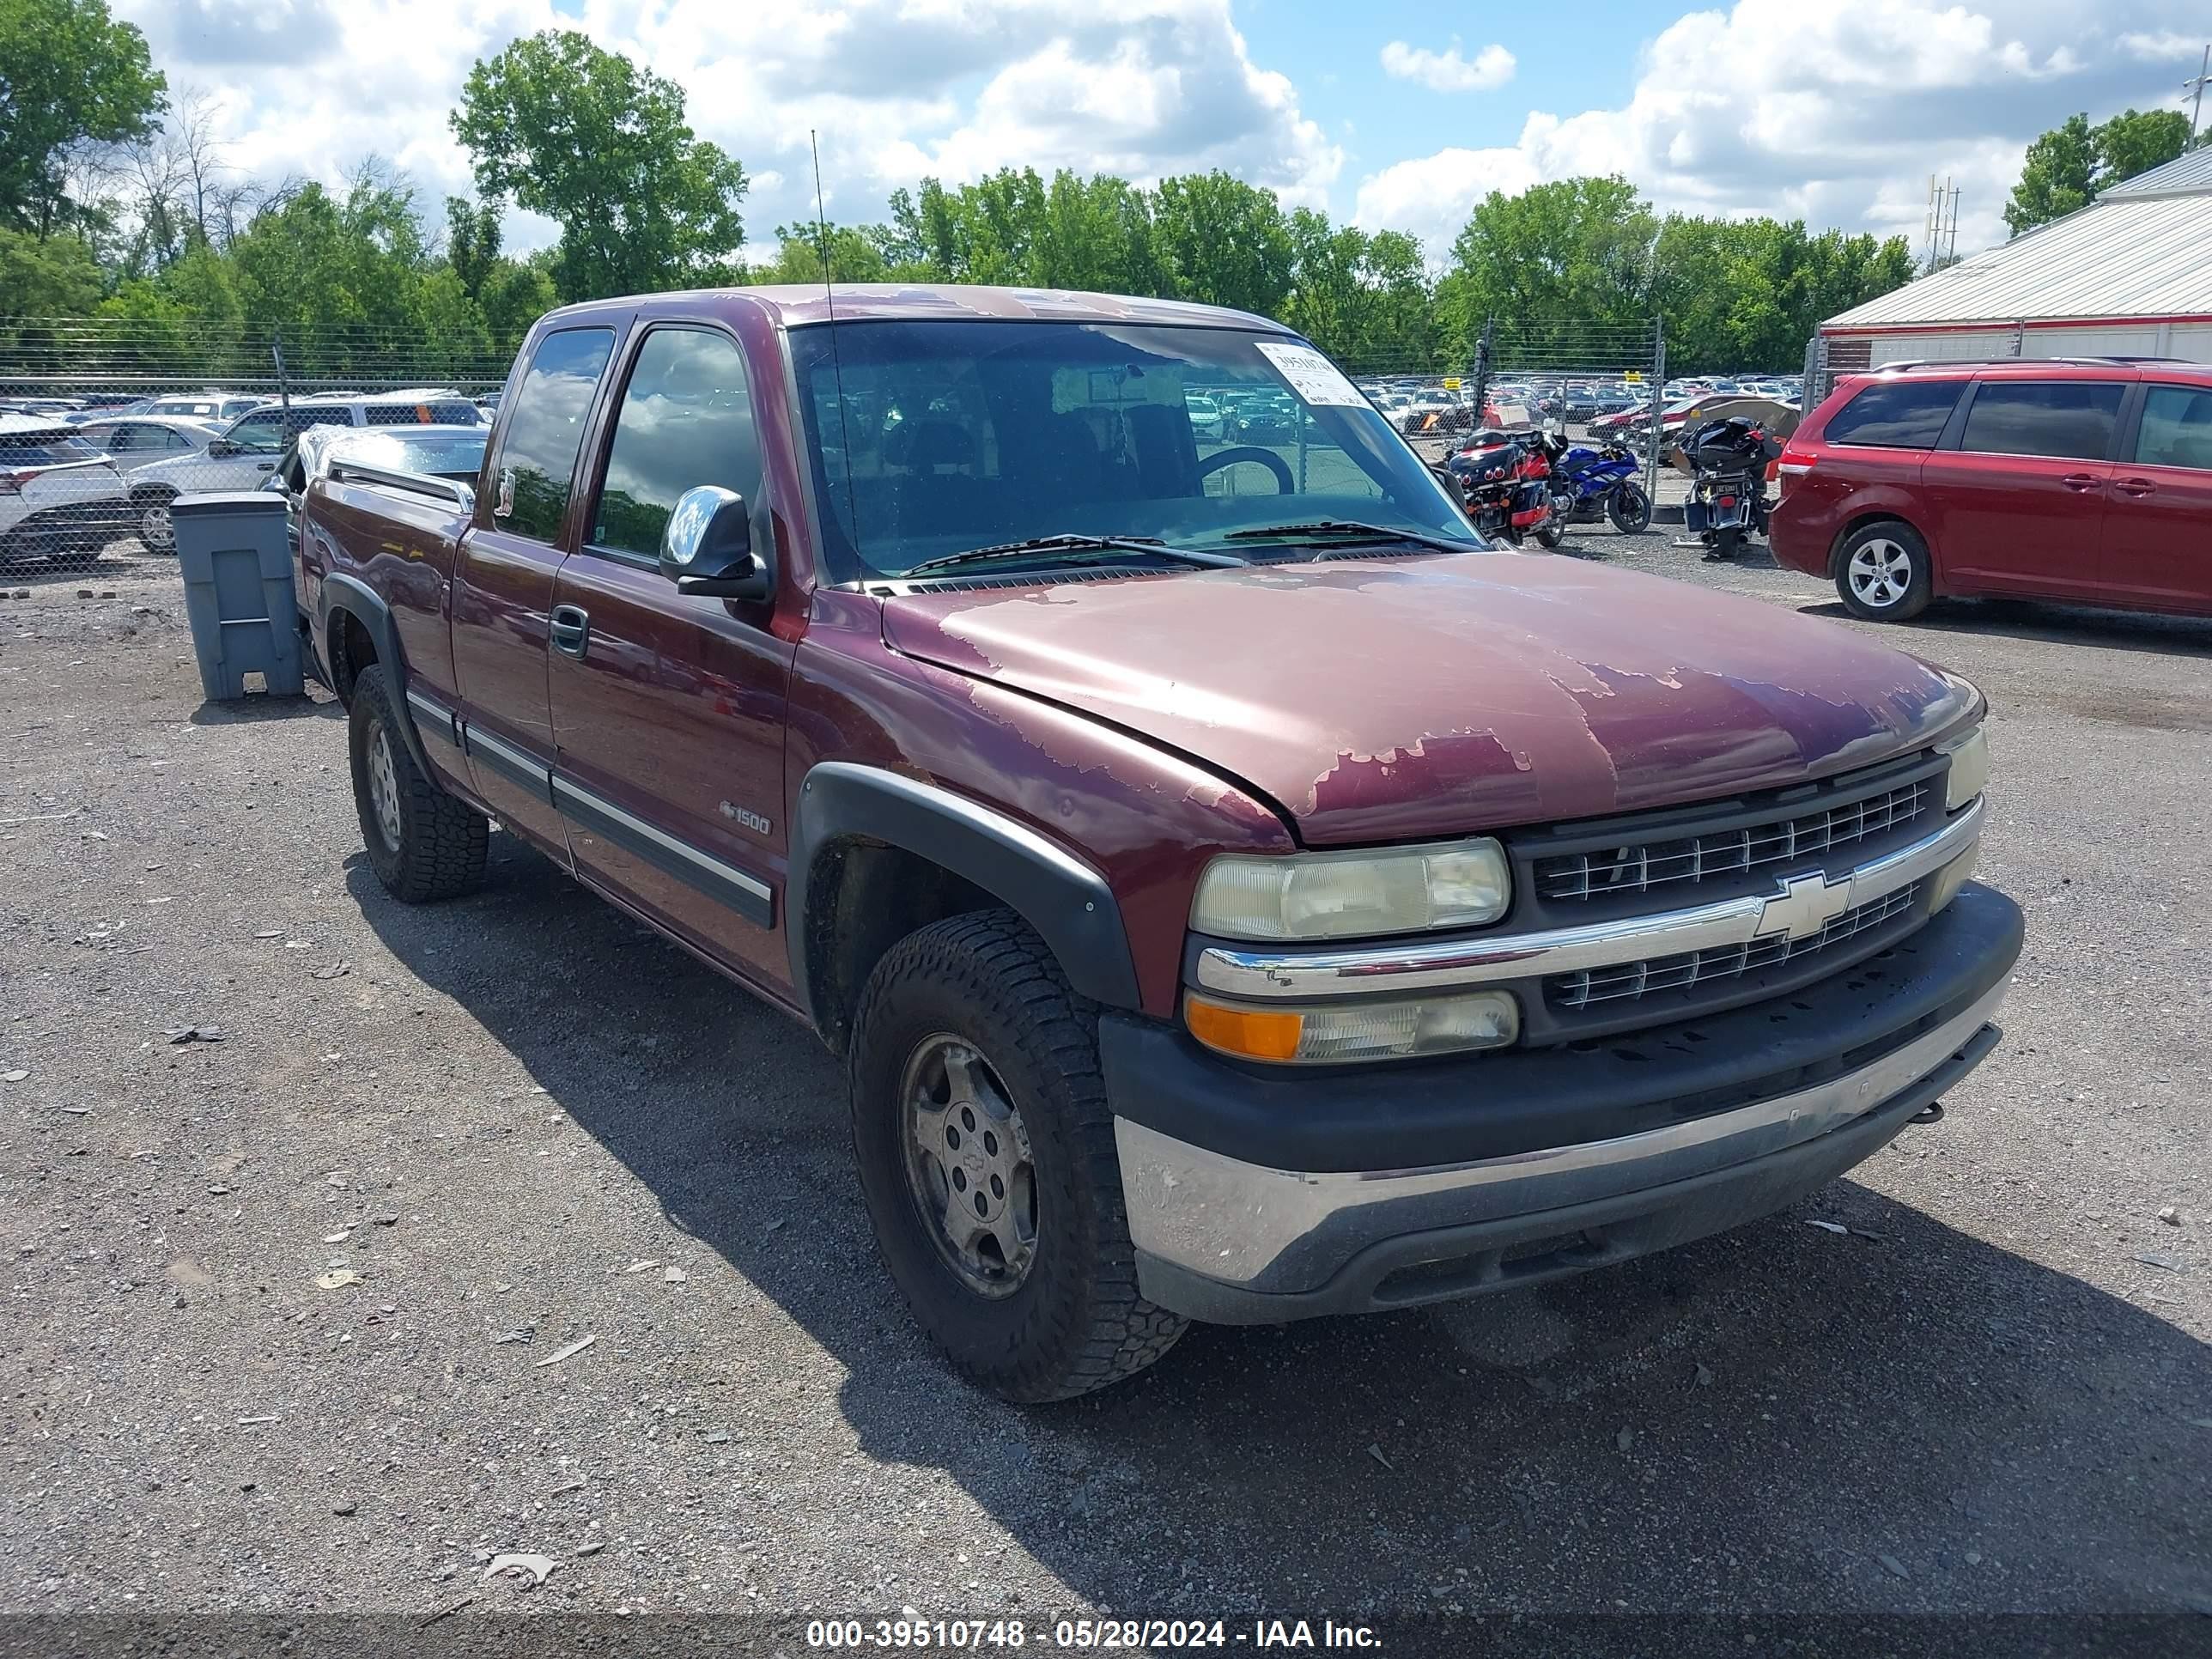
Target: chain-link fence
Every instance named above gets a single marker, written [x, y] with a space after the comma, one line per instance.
[104, 422]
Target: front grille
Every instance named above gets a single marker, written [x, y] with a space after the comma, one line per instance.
[1639, 866]
[1623, 980]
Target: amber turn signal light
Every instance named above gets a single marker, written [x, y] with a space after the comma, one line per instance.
[1255, 1033]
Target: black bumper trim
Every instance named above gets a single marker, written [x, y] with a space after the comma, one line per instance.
[1446, 1263]
[1494, 1105]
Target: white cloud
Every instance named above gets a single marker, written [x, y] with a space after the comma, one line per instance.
[896, 89]
[1446, 70]
[1834, 110]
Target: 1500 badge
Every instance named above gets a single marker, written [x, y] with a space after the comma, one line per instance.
[746, 817]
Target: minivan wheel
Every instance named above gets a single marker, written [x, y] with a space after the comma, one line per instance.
[422, 843]
[986, 1154]
[1882, 571]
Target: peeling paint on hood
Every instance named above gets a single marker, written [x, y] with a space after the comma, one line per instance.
[1398, 699]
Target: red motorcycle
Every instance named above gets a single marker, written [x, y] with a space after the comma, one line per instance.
[1506, 480]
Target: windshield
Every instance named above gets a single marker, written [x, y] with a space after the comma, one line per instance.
[954, 435]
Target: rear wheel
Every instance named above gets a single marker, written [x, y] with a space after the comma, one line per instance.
[1883, 572]
[156, 528]
[422, 843]
[986, 1155]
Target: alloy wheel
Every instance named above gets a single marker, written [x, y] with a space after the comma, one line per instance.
[969, 1166]
[1880, 572]
[384, 785]
[156, 528]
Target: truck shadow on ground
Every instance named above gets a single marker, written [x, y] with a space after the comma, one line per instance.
[1902, 1417]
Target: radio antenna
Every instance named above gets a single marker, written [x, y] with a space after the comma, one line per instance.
[836, 357]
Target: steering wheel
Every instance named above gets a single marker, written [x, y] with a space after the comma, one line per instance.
[1267, 458]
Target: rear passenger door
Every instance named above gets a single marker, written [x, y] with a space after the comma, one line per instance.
[2019, 506]
[2158, 524]
[503, 591]
[668, 711]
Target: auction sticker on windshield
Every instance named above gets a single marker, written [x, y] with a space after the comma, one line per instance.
[1311, 375]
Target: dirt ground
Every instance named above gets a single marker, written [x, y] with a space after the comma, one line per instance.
[294, 1314]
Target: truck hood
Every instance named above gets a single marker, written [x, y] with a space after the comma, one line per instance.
[1397, 699]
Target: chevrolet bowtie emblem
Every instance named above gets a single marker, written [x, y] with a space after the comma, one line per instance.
[1805, 906]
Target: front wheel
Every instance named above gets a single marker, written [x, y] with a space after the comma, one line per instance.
[1883, 573]
[1629, 508]
[987, 1160]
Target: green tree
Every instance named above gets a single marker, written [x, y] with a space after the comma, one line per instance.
[853, 256]
[69, 76]
[2067, 166]
[514, 296]
[1224, 242]
[2135, 142]
[52, 276]
[586, 137]
[1577, 250]
[471, 241]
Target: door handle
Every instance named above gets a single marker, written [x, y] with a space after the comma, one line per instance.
[2136, 487]
[572, 629]
[2081, 481]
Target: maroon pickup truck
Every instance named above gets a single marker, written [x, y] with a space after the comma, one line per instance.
[1236, 890]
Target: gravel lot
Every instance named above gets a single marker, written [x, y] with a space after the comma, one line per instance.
[524, 1122]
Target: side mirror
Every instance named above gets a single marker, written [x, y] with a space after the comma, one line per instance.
[222, 449]
[707, 548]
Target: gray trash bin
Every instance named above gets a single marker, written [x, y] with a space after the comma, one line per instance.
[236, 554]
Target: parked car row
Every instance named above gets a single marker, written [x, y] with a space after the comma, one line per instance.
[68, 486]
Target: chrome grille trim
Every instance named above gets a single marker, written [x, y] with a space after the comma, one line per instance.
[1638, 868]
[1649, 976]
[1800, 905]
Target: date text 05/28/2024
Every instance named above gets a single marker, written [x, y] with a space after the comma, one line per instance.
[997, 1634]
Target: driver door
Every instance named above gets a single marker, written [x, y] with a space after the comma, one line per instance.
[668, 711]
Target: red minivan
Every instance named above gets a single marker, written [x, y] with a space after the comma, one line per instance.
[2087, 479]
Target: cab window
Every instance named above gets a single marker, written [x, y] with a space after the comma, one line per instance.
[686, 420]
[545, 431]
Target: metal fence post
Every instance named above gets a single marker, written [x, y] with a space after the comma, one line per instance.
[1484, 348]
[1813, 392]
[283, 380]
[1658, 410]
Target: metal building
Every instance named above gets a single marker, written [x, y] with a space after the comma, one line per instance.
[2129, 276]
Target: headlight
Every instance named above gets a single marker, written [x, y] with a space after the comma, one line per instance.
[1969, 769]
[1337, 1032]
[1409, 890]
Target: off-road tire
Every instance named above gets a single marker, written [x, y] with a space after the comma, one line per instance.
[442, 841]
[1919, 587]
[1076, 1321]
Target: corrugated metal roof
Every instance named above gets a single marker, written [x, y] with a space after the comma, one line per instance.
[2127, 254]
[2192, 171]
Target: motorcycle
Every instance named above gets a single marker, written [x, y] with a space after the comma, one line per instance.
[1728, 496]
[1507, 483]
[1601, 481]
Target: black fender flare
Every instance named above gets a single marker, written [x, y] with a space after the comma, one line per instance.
[1063, 898]
[342, 592]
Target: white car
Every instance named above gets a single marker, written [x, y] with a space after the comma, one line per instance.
[245, 454]
[206, 405]
[59, 495]
[1205, 415]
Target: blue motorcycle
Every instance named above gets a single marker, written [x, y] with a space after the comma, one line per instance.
[1587, 482]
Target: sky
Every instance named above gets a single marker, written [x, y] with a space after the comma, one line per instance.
[1832, 111]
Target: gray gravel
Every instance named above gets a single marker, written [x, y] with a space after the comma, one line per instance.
[511, 1117]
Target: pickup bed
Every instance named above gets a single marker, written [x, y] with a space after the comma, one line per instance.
[1237, 891]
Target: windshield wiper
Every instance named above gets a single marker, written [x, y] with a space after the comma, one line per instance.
[1353, 528]
[1072, 543]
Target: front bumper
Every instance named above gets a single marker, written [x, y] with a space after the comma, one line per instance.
[1249, 1204]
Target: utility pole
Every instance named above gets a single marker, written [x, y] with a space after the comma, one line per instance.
[2196, 86]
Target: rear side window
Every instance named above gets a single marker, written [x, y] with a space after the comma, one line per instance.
[59, 448]
[2067, 419]
[435, 413]
[545, 430]
[2177, 427]
[686, 420]
[1896, 415]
